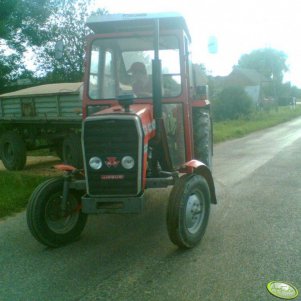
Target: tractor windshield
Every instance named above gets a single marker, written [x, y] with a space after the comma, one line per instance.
[124, 66]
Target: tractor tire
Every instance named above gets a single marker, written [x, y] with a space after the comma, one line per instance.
[188, 211]
[72, 151]
[45, 218]
[12, 151]
[202, 136]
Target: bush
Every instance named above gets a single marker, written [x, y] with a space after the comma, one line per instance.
[232, 103]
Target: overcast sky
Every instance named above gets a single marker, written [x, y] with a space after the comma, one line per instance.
[240, 27]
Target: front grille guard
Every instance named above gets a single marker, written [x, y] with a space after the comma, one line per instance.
[130, 117]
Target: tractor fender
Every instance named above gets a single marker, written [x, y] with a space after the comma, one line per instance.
[202, 169]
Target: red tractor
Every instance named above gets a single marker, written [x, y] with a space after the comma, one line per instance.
[146, 124]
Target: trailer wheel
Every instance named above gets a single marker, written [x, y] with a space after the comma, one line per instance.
[188, 210]
[12, 151]
[202, 136]
[47, 222]
[72, 151]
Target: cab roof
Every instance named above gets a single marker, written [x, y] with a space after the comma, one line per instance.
[111, 23]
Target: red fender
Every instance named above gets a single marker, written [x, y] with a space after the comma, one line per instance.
[201, 169]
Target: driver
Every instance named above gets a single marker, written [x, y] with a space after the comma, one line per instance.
[141, 84]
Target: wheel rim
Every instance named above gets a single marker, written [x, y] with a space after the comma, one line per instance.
[57, 220]
[195, 212]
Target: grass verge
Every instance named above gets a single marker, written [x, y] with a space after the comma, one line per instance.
[15, 190]
[231, 129]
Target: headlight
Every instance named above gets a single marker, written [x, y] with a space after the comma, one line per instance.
[128, 162]
[95, 163]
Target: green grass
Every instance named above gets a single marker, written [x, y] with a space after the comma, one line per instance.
[15, 190]
[231, 129]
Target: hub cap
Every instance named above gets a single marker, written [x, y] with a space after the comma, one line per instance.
[195, 211]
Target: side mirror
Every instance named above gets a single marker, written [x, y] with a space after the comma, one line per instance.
[59, 50]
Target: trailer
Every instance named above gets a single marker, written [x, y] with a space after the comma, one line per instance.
[45, 116]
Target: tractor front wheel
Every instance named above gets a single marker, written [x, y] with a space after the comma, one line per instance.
[188, 210]
[46, 219]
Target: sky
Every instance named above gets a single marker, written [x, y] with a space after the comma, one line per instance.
[240, 26]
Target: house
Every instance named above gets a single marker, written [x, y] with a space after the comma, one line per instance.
[249, 79]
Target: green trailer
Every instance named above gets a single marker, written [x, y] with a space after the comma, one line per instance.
[45, 116]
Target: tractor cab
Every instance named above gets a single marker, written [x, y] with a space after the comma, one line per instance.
[122, 51]
[146, 57]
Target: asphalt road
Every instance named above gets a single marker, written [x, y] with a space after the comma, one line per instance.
[253, 237]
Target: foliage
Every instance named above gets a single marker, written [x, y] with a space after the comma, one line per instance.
[9, 64]
[269, 62]
[21, 20]
[37, 25]
[232, 103]
[21, 25]
[68, 26]
[15, 190]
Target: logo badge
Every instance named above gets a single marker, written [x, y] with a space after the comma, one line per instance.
[112, 162]
[282, 290]
[112, 177]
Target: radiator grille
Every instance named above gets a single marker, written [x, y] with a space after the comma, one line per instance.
[111, 139]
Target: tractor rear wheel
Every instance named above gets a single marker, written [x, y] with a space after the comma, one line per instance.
[12, 151]
[47, 221]
[202, 136]
[188, 210]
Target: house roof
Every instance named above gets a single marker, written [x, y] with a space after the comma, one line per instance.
[244, 77]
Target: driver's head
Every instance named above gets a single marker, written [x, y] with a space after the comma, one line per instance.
[137, 69]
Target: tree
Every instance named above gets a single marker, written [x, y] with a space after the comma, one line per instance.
[66, 25]
[21, 25]
[37, 25]
[8, 67]
[232, 103]
[269, 62]
[22, 21]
